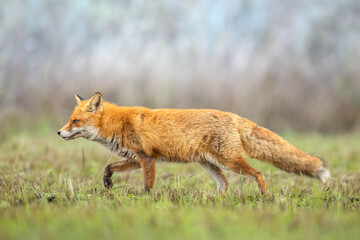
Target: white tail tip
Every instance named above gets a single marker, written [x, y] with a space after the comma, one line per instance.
[324, 175]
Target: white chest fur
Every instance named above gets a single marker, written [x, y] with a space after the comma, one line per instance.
[114, 146]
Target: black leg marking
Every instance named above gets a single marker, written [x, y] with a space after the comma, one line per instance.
[107, 177]
[147, 189]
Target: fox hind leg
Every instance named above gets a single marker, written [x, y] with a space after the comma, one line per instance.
[119, 166]
[217, 175]
[242, 167]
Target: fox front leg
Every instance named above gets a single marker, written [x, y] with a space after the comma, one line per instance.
[119, 166]
[148, 167]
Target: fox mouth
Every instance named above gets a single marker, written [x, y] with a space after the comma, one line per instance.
[71, 136]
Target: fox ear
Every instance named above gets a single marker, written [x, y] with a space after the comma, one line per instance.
[95, 103]
[79, 99]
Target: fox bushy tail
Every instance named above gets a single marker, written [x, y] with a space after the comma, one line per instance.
[265, 145]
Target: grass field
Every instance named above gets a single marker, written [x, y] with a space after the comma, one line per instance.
[52, 189]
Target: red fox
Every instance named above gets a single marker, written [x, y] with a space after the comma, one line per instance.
[214, 139]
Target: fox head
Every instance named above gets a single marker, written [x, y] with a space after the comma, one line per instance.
[85, 119]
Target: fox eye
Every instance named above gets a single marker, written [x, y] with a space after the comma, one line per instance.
[75, 121]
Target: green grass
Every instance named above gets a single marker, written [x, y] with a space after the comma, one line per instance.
[52, 189]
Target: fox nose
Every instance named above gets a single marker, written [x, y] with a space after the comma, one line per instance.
[58, 132]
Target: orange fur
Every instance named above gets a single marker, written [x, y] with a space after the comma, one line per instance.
[212, 138]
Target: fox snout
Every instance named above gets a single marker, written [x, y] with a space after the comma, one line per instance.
[69, 134]
[61, 134]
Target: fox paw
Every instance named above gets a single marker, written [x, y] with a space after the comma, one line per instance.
[107, 182]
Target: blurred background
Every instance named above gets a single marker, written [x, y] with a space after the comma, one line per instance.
[284, 64]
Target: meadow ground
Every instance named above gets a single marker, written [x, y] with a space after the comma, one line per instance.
[52, 189]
